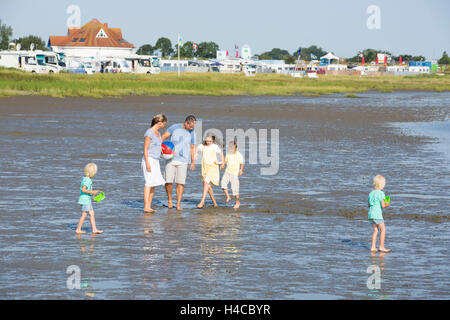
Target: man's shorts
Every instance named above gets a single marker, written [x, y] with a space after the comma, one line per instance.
[176, 171]
[234, 180]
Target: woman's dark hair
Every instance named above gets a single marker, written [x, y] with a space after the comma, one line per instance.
[190, 119]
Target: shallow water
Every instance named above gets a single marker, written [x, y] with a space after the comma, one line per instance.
[300, 234]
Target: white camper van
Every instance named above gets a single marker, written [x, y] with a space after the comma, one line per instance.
[31, 61]
[116, 65]
[10, 59]
[144, 64]
[35, 61]
[57, 60]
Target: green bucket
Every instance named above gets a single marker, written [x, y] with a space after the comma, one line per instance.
[387, 199]
[99, 197]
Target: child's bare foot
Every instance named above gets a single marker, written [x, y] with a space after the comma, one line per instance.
[384, 250]
[374, 250]
[227, 199]
[80, 231]
[149, 210]
[170, 204]
[237, 205]
[179, 208]
[215, 204]
[200, 205]
[97, 231]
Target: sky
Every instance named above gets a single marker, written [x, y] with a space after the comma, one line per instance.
[416, 27]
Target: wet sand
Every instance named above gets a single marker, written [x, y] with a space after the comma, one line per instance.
[302, 233]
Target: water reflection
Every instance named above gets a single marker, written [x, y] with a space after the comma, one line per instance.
[375, 280]
[86, 246]
[219, 244]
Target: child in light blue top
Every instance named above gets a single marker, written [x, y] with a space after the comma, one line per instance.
[376, 203]
[85, 200]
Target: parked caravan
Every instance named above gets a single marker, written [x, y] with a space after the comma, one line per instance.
[144, 64]
[115, 66]
[79, 66]
[55, 59]
[10, 59]
[197, 66]
[32, 61]
[35, 61]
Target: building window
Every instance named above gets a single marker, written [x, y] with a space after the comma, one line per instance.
[101, 34]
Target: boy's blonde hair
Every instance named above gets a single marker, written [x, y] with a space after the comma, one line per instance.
[90, 170]
[379, 182]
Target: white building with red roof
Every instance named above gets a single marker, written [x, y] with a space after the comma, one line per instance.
[93, 40]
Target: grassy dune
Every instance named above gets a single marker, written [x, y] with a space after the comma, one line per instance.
[15, 82]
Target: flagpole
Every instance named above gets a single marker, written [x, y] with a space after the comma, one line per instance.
[178, 54]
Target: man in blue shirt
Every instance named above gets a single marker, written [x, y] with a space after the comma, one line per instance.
[183, 137]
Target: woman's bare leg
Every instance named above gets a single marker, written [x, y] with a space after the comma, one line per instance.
[148, 198]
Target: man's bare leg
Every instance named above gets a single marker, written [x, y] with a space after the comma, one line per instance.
[180, 190]
[169, 195]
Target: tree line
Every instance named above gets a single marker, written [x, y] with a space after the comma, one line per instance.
[208, 50]
[163, 45]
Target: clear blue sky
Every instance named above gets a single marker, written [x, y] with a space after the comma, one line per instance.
[414, 27]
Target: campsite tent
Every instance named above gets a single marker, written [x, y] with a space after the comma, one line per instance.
[328, 58]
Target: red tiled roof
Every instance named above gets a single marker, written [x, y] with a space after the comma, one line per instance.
[86, 36]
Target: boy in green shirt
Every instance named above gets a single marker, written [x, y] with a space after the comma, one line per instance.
[85, 200]
[376, 202]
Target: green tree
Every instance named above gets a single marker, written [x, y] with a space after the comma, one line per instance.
[187, 50]
[26, 42]
[445, 58]
[207, 50]
[5, 35]
[146, 49]
[306, 53]
[290, 60]
[405, 58]
[418, 58]
[277, 54]
[274, 54]
[165, 45]
[369, 56]
[408, 57]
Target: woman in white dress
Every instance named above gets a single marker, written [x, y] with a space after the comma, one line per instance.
[150, 161]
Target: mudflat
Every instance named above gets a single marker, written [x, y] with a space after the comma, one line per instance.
[300, 233]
